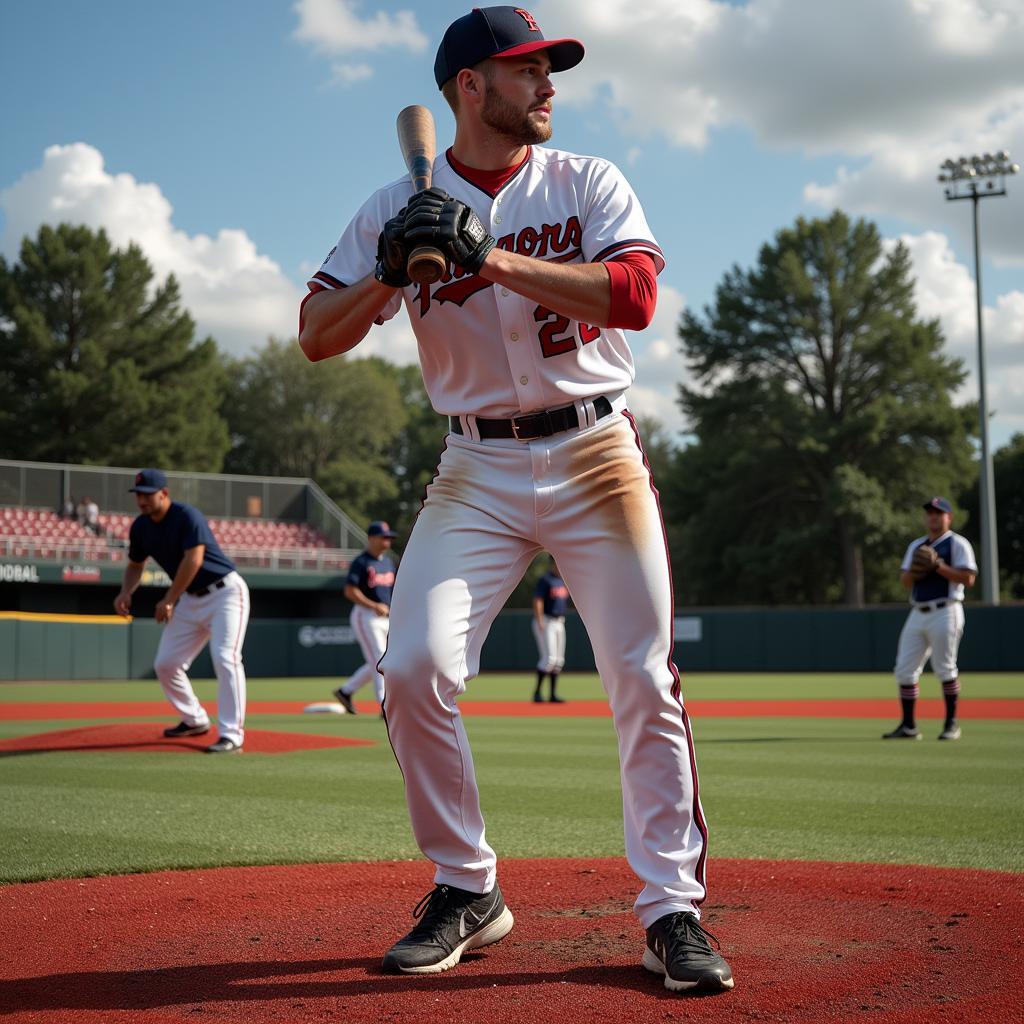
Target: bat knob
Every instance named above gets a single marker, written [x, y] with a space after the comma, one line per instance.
[426, 265]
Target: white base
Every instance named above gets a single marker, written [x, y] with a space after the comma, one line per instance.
[324, 708]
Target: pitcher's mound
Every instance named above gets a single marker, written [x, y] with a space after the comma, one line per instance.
[808, 942]
[133, 737]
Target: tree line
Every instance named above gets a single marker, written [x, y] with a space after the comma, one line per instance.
[820, 409]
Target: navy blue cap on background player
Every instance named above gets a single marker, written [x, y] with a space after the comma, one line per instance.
[148, 481]
[499, 32]
[378, 528]
[938, 505]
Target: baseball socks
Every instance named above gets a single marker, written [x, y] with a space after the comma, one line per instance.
[555, 699]
[537, 697]
[950, 692]
[907, 729]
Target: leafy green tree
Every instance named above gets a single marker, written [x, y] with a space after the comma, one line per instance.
[1008, 468]
[822, 414]
[98, 364]
[415, 451]
[334, 421]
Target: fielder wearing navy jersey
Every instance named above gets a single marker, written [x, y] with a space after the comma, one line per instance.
[550, 603]
[208, 602]
[368, 586]
[522, 344]
[935, 624]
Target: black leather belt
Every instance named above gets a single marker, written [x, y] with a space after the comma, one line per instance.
[216, 585]
[928, 607]
[533, 425]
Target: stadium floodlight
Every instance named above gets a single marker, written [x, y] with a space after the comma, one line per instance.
[974, 178]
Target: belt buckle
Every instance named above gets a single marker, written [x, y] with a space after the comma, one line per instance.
[524, 437]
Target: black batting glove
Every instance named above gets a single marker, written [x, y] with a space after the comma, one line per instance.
[423, 217]
[393, 253]
[464, 239]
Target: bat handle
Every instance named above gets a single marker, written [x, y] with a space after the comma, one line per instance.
[426, 265]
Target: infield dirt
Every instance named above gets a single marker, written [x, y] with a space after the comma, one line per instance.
[807, 942]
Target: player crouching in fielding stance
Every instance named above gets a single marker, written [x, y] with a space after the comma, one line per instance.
[207, 602]
[371, 577]
[521, 345]
[935, 570]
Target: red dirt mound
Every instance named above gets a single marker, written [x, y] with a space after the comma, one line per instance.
[808, 942]
[134, 737]
[33, 711]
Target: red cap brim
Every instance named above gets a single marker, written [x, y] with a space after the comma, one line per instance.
[564, 53]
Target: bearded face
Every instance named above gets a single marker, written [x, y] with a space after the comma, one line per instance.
[519, 123]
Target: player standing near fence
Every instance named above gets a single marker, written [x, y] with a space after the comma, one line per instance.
[207, 602]
[550, 603]
[935, 569]
[522, 346]
[368, 585]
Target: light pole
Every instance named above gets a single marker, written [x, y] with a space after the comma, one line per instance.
[974, 178]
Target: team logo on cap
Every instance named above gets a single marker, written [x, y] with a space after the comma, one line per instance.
[138, 478]
[528, 18]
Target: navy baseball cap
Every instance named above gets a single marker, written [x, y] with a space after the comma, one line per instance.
[378, 528]
[149, 481]
[938, 505]
[499, 32]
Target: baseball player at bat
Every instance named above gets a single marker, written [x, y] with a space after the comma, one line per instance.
[522, 346]
[935, 569]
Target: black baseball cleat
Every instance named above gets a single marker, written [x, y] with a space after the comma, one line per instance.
[950, 731]
[678, 947]
[557, 700]
[184, 729]
[451, 921]
[538, 699]
[902, 732]
[224, 746]
[345, 701]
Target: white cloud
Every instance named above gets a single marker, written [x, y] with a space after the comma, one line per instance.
[349, 74]
[945, 290]
[393, 340]
[660, 366]
[825, 75]
[897, 85]
[234, 292]
[335, 26]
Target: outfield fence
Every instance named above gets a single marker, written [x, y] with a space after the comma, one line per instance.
[43, 646]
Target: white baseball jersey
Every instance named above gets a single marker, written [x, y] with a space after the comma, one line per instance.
[955, 551]
[484, 350]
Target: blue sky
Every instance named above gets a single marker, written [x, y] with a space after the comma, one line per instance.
[234, 140]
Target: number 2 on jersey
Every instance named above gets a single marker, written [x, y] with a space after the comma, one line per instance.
[555, 335]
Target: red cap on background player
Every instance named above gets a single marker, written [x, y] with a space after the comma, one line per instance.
[499, 32]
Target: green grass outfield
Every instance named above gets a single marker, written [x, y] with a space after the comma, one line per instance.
[772, 787]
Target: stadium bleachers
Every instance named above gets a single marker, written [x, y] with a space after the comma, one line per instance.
[262, 543]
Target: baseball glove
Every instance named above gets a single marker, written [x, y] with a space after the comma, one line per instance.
[924, 561]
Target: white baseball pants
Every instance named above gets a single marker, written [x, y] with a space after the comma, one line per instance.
[371, 632]
[936, 634]
[218, 618]
[587, 497]
[550, 643]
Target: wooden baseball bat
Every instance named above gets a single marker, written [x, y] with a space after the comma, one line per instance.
[416, 136]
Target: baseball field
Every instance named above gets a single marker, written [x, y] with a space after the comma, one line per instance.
[850, 878]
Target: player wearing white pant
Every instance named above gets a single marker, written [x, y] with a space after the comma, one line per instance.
[522, 345]
[935, 624]
[550, 603]
[208, 602]
[368, 585]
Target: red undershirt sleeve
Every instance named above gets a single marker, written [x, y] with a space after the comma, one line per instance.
[633, 277]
